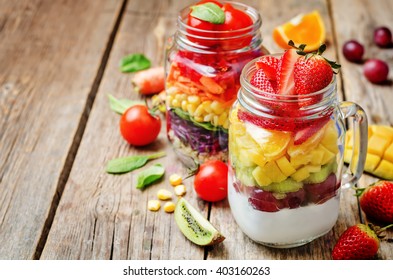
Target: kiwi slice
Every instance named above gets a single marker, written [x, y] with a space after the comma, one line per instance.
[286, 186]
[319, 177]
[194, 226]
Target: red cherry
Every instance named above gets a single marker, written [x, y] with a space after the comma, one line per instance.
[376, 71]
[382, 36]
[353, 51]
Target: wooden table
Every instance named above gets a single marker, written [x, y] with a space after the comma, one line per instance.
[59, 61]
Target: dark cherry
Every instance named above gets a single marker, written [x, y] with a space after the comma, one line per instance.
[353, 51]
[376, 71]
[382, 36]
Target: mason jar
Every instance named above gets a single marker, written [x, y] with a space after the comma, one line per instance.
[202, 80]
[286, 162]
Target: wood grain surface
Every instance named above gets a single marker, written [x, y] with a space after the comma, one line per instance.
[57, 132]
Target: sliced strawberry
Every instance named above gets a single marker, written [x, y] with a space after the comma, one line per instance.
[269, 64]
[312, 74]
[305, 133]
[274, 123]
[285, 77]
[262, 82]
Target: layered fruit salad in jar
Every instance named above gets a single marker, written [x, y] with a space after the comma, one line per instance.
[285, 149]
[203, 64]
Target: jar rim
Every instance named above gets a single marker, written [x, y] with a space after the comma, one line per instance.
[252, 12]
[250, 68]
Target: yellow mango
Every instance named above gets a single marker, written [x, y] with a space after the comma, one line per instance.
[379, 159]
[384, 170]
[285, 166]
[317, 156]
[329, 139]
[274, 173]
[327, 156]
[261, 177]
[377, 144]
[301, 174]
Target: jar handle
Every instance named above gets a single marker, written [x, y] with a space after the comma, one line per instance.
[360, 139]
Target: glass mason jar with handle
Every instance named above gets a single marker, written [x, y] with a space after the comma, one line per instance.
[286, 162]
[203, 70]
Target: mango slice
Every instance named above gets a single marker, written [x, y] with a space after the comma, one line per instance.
[379, 159]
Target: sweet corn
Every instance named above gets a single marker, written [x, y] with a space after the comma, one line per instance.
[180, 190]
[153, 205]
[206, 111]
[169, 207]
[175, 179]
[164, 194]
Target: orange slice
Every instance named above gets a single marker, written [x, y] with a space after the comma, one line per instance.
[306, 29]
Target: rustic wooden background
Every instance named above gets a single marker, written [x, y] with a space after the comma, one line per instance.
[60, 60]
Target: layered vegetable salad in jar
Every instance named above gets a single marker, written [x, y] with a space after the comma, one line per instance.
[203, 63]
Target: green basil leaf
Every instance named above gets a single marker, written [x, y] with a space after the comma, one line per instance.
[121, 105]
[127, 164]
[134, 62]
[208, 12]
[149, 176]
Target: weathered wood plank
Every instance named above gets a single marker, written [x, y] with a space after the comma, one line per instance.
[50, 53]
[102, 216]
[237, 245]
[374, 99]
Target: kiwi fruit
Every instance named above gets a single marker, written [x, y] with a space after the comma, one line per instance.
[194, 226]
[319, 177]
[286, 186]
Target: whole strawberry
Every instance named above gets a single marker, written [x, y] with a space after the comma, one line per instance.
[312, 72]
[359, 242]
[377, 201]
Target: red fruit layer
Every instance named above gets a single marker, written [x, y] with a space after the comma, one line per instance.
[302, 135]
[282, 123]
[269, 64]
[268, 202]
[321, 192]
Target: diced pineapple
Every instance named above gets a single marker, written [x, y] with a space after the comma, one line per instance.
[329, 139]
[313, 168]
[257, 157]
[300, 160]
[384, 170]
[285, 166]
[327, 155]
[274, 173]
[301, 174]
[261, 177]
[377, 144]
[245, 159]
[317, 156]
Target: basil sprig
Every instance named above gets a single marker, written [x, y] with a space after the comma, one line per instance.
[208, 12]
[149, 176]
[127, 164]
[134, 62]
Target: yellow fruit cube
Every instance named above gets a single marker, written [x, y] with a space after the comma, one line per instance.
[372, 162]
[260, 177]
[327, 155]
[257, 157]
[349, 139]
[313, 168]
[382, 130]
[300, 160]
[285, 166]
[377, 144]
[329, 140]
[301, 174]
[384, 170]
[274, 173]
[388, 155]
[317, 156]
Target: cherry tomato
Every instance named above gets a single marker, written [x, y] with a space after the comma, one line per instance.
[138, 127]
[203, 26]
[211, 181]
[235, 20]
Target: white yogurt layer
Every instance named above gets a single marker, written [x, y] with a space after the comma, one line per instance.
[287, 227]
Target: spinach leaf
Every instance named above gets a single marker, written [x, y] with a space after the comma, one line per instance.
[149, 176]
[127, 164]
[134, 62]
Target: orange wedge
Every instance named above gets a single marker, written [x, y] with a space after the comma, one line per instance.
[306, 29]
